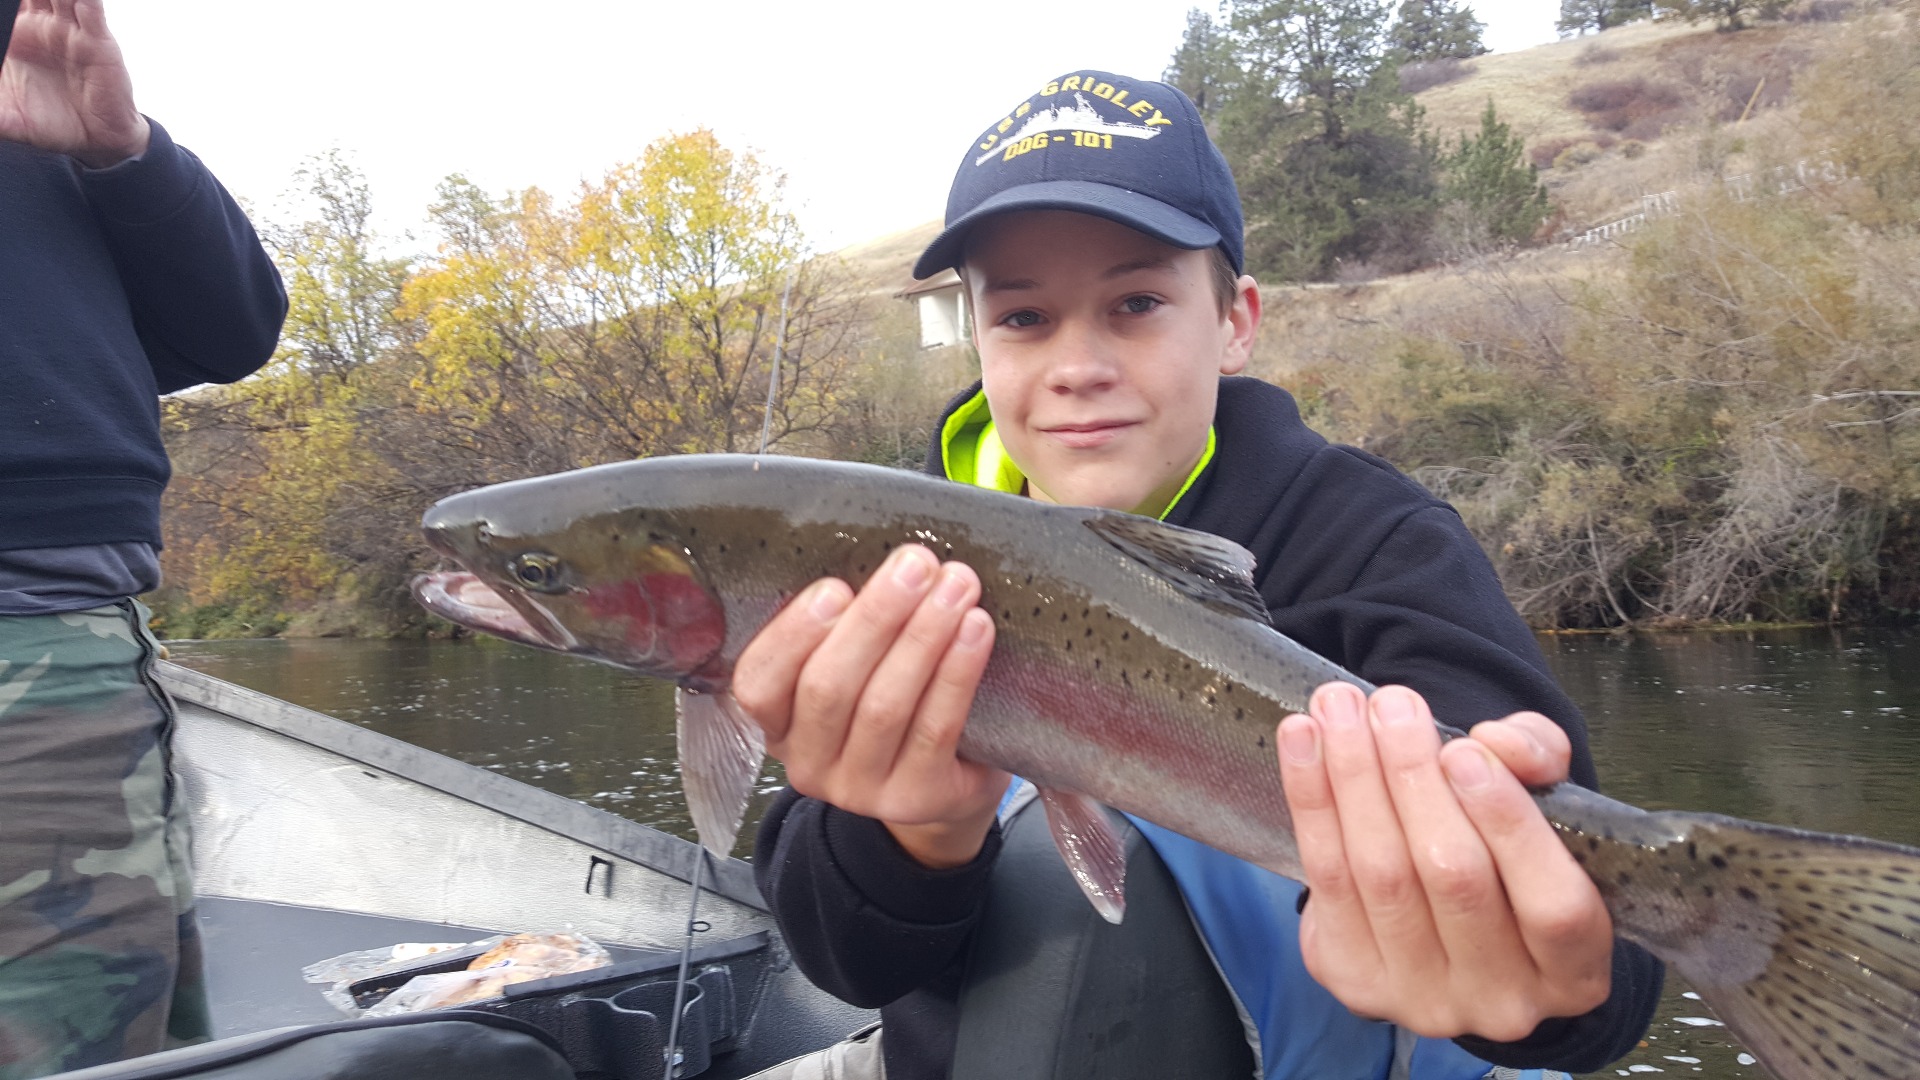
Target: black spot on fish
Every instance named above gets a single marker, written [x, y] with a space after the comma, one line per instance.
[1089, 632]
[1718, 863]
[1069, 644]
[1029, 579]
[1262, 741]
[723, 549]
[1747, 894]
[1063, 616]
[1006, 615]
[1239, 714]
[1625, 879]
[1211, 699]
[1693, 851]
[1706, 891]
[1126, 635]
[1096, 663]
[1036, 613]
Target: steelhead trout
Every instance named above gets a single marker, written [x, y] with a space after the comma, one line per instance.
[1134, 667]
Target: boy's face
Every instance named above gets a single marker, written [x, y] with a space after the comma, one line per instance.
[1102, 350]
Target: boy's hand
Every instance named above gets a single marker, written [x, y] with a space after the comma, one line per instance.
[1442, 899]
[65, 88]
[864, 698]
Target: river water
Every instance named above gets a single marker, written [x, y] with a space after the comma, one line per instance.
[1815, 729]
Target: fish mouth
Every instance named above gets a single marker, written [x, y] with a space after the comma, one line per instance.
[462, 598]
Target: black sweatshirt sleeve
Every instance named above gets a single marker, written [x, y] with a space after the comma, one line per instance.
[1427, 611]
[207, 302]
[866, 922]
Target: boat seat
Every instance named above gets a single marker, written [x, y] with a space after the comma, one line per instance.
[447, 1045]
[1054, 992]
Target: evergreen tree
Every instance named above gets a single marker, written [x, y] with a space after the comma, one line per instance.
[1728, 14]
[1498, 198]
[1333, 161]
[1435, 30]
[1580, 16]
[1203, 68]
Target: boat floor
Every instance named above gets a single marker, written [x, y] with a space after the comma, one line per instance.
[254, 952]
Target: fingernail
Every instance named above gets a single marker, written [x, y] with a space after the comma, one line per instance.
[1299, 743]
[910, 571]
[973, 627]
[1340, 710]
[1468, 769]
[953, 586]
[1392, 709]
[828, 601]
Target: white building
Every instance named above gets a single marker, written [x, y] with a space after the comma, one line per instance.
[944, 319]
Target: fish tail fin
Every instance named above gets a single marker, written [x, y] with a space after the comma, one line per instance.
[721, 749]
[1807, 945]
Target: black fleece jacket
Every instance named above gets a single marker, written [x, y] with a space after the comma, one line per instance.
[1356, 562]
[116, 286]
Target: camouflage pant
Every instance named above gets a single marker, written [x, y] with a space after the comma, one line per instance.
[99, 953]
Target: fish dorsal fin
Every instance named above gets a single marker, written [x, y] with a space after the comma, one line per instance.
[721, 749]
[1214, 571]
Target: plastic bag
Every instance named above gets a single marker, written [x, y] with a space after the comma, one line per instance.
[506, 961]
[348, 968]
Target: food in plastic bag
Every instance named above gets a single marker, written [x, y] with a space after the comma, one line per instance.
[506, 961]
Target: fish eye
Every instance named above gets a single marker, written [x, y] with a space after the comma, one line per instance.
[538, 571]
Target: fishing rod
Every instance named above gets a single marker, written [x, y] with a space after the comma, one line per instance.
[773, 384]
[675, 1059]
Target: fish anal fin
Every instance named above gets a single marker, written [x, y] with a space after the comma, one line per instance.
[721, 749]
[1093, 850]
[1212, 570]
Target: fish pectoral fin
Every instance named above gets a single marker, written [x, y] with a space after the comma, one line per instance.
[1093, 851]
[721, 749]
[1212, 570]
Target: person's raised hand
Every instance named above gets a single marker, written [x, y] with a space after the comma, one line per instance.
[863, 698]
[64, 86]
[1442, 900]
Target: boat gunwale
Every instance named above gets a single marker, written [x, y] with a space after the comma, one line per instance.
[617, 836]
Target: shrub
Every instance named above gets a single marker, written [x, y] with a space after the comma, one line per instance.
[1576, 155]
[1617, 104]
[1418, 75]
[1544, 154]
[1596, 54]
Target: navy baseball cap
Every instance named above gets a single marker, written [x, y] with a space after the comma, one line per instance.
[1130, 151]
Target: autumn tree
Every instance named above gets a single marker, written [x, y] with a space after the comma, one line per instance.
[643, 319]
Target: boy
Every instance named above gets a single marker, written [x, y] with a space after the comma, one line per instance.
[1099, 236]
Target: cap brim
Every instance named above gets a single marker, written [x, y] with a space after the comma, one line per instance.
[1129, 208]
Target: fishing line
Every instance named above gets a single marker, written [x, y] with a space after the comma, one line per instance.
[773, 384]
[674, 1057]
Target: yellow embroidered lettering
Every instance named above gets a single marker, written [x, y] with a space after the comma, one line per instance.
[1025, 108]
[991, 139]
[1104, 91]
[1120, 97]
[1007, 123]
[1141, 107]
[1050, 89]
[1158, 119]
[1071, 82]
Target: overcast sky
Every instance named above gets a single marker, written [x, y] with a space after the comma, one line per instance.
[865, 105]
